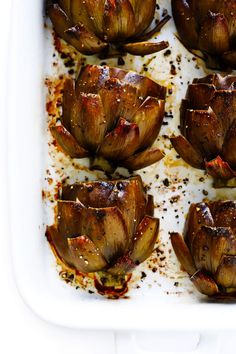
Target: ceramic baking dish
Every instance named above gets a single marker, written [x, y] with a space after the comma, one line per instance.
[157, 305]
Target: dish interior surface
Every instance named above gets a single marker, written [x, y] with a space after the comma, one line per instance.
[160, 295]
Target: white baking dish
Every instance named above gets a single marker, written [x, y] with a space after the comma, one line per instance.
[37, 279]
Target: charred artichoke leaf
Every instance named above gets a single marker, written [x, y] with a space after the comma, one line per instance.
[143, 14]
[210, 244]
[204, 283]
[120, 142]
[200, 95]
[182, 253]
[92, 122]
[69, 99]
[96, 8]
[86, 42]
[201, 248]
[199, 215]
[223, 243]
[93, 194]
[144, 239]
[226, 272]
[204, 131]
[224, 213]
[218, 168]
[86, 256]
[61, 22]
[214, 36]
[92, 78]
[143, 159]
[149, 117]
[188, 153]
[59, 245]
[69, 218]
[130, 198]
[67, 142]
[79, 14]
[129, 101]
[145, 86]
[229, 146]
[224, 106]
[107, 229]
[145, 48]
[185, 22]
[118, 19]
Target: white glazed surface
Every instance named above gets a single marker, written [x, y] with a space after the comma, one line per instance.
[157, 304]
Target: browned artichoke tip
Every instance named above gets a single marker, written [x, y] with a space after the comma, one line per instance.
[207, 252]
[208, 127]
[104, 226]
[112, 115]
[209, 26]
[107, 27]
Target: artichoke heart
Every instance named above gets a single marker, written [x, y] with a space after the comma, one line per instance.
[104, 226]
[111, 114]
[207, 252]
[107, 27]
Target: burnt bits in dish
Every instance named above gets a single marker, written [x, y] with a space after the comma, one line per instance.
[112, 115]
[208, 26]
[107, 27]
[208, 126]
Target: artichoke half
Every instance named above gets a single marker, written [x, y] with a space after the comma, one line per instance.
[208, 250]
[107, 27]
[111, 114]
[209, 26]
[208, 126]
[104, 226]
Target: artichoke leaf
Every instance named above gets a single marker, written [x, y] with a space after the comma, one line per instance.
[87, 258]
[59, 245]
[188, 153]
[120, 142]
[204, 131]
[144, 239]
[93, 194]
[214, 36]
[86, 42]
[69, 218]
[145, 48]
[67, 142]
[119, 20]
[226, 272]
[143, 159]
[199, 215]
[182, 253]
[204, 283]
[200, 95]
[107, 229]
[149, 118]
[219, 169]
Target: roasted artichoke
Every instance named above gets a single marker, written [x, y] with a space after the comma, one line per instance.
[111, 114]
[208, 126]
[209, 26]
[208, 250]
[107, 27]
[104, 226]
